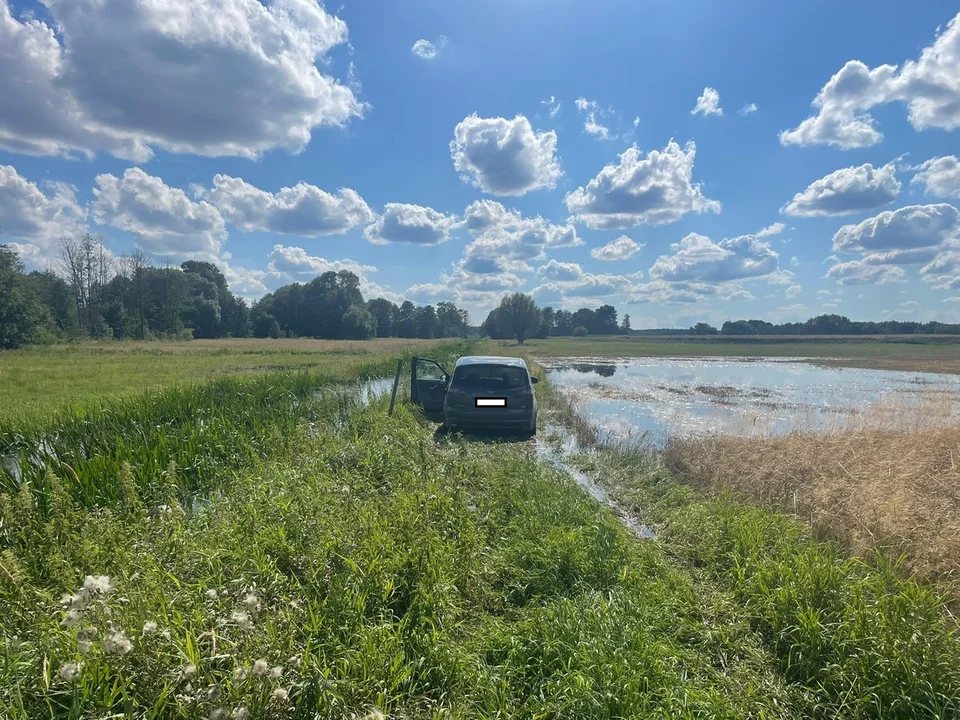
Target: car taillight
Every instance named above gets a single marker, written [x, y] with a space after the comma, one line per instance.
[525, 400]
[456, 397]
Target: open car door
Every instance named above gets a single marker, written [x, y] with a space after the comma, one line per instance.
[428, 385]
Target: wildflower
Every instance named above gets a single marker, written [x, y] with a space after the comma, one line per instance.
[70, 671]
[165, 634]
[85, 646]
[213, 694]
[242, 620]
[241, 674]
[241, 713]
[260, 668]
[281, 695]
[117, 644]
[149, 627]
[75, 602]
[99, 584]
[90, 632]
[218, 714]
[276, 672]
[252, 602]
[71, 618]
[211, 594]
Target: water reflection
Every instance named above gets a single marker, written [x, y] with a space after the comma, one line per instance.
[655, 397]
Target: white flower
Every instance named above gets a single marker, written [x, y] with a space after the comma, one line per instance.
[165, 634]
[281, 695]
[218, 714]
[213, 694]
[149, 627]
[117, 644]
[211, 594]
[252, 602]
[70, 671]
[260, 668]
[76, 602]
[241, 713]
[243, 620]
[71, 618]
[276, 672]
[97, 584]
[241, 674]
[84, 646]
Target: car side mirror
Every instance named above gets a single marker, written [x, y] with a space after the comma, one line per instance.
[534, 380]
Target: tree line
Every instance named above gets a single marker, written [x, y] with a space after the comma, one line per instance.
[827, 325]
[518, 317]
[88, 293]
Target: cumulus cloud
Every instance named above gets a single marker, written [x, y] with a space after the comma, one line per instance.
[747, 109]
[509, 238]
[769, 230]
[858, 272]
[554, 270]
[940, 176]
[698, 259]
[209, 77]
[845, 191]
[162, 218]
[426, 50]
[708, 103]
[930, 87]
[37, 216]
[590, 125]
[304, 209]
[911, 227]
[793, 291]
[669, 293]
[294, 264]
[413, 224]
[567, 286]
[623, 248]
[505, 157]
[654, 190]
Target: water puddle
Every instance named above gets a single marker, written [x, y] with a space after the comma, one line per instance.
[653, 398]
[569, 446]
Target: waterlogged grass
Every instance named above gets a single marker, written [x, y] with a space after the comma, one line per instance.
[368, 570]
[174, 441]
[38, 381]
[864, 641]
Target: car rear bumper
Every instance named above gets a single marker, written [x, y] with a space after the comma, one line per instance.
[491, 418]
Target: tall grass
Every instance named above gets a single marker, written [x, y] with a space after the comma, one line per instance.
[376, 571]
[172, 442]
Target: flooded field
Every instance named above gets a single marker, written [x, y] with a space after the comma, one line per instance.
[650, 398]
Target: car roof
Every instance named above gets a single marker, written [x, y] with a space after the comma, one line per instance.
[491, 360]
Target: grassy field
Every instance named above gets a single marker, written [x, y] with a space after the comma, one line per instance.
[36, 381]
[264, 546]
[925, 353]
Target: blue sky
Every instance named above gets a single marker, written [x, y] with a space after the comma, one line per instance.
[420, 147]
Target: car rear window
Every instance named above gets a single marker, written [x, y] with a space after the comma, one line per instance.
[490, 377]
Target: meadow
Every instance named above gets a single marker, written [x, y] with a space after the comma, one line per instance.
[264, 545]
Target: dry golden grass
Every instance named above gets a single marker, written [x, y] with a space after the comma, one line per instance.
[887, 479]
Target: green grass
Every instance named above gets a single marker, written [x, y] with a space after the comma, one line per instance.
[38, 381]
[382, 570]
[939, 353]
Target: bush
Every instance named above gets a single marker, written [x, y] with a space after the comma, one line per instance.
[580, 331]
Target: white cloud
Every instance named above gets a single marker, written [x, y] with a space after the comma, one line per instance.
[795, 261]
[845, 191]
[210, 77]
[162, 218]
[294, 264]
[505, 157]
[793, 291]
[943, 272]
[955, 299]
[940, 176]
[553, 105]
[620, 249]
[930, 87]
[636, 121]
[858, 272]
[911, 227]
[708, 103]
[655, 190]
[662, 292]
[554, 270]
[590, 125]
[425, 50]
[698, 259]
[303, 210]
[414, 224]
[584, 285]
[747, 109]
[39, 217]
[775, 229]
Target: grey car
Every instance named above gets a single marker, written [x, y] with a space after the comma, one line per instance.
[484, 392]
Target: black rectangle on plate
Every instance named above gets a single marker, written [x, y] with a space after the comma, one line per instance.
[485, 402]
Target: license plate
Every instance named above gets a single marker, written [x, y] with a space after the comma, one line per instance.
[490, 402]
